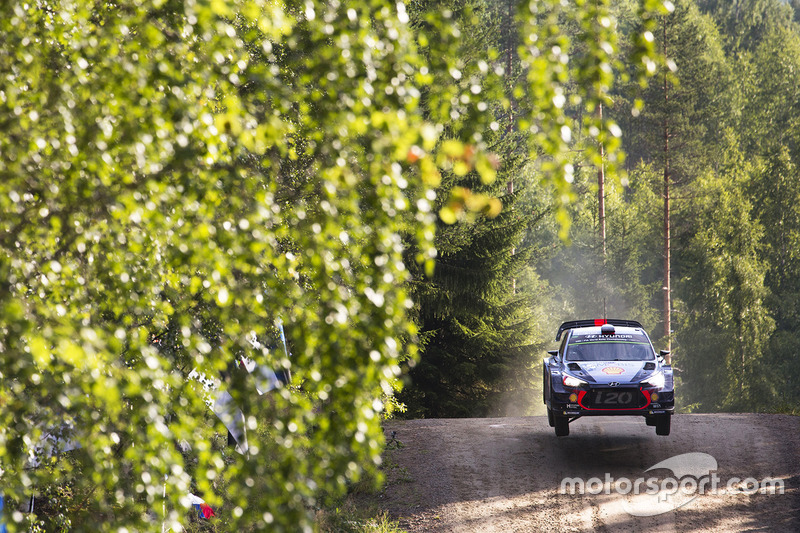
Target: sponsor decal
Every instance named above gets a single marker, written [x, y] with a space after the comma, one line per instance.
[613, 370]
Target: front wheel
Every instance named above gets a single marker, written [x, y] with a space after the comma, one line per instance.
[663, 424]
[561, 426]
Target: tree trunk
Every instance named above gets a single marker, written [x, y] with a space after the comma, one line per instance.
[510, 41]
[601, 192]
[667, 245]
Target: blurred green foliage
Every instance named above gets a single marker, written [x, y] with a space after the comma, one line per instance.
[178, 176]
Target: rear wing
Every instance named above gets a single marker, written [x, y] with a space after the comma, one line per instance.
[596, 322]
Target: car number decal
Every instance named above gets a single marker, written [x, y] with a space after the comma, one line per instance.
[613, 397]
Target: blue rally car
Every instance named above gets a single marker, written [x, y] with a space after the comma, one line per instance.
[607, 367]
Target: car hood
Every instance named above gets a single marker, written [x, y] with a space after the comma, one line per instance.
[603, 372]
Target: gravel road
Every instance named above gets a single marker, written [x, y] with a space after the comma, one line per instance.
[505, 474]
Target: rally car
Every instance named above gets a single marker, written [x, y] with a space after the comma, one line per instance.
[607, 367]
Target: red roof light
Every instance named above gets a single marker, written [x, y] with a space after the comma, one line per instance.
[600, 321]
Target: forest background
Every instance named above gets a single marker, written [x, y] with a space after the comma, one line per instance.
[412, 192]
[719, 126]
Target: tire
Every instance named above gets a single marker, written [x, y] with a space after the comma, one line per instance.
[561, 426]
[650, 420]
[545, 388]
[551, 418]
[663, 424]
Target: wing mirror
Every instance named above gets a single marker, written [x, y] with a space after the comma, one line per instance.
[553, 353]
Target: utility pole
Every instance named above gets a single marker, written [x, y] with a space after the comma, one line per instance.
[510, 34]
[601, 190]
[667, 288]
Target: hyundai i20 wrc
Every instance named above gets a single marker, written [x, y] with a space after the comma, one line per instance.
[607, 367]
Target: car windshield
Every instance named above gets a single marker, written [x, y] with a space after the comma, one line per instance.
[625, 347]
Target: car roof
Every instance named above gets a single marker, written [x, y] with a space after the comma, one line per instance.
[596, 330]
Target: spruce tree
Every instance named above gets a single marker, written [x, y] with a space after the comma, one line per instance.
[475, 314]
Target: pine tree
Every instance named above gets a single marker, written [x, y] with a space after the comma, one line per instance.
[475, 329]
[744, 23]
[475, 314]
[685, 107]
[773, 136]
[725, 330]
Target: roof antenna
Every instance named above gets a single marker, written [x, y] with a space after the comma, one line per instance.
[605, 317]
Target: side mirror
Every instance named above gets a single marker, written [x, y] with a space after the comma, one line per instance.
[664, 355]
[553, 353]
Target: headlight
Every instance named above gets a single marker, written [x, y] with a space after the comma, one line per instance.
[656, 380]
[572, 382]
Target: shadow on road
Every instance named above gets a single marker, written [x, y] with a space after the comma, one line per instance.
[466, 474]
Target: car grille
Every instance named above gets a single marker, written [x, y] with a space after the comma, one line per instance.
[614, 398]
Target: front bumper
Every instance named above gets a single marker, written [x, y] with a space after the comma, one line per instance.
[584, 402]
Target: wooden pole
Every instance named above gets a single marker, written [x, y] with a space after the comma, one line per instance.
[601, 191]
[667, 288]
